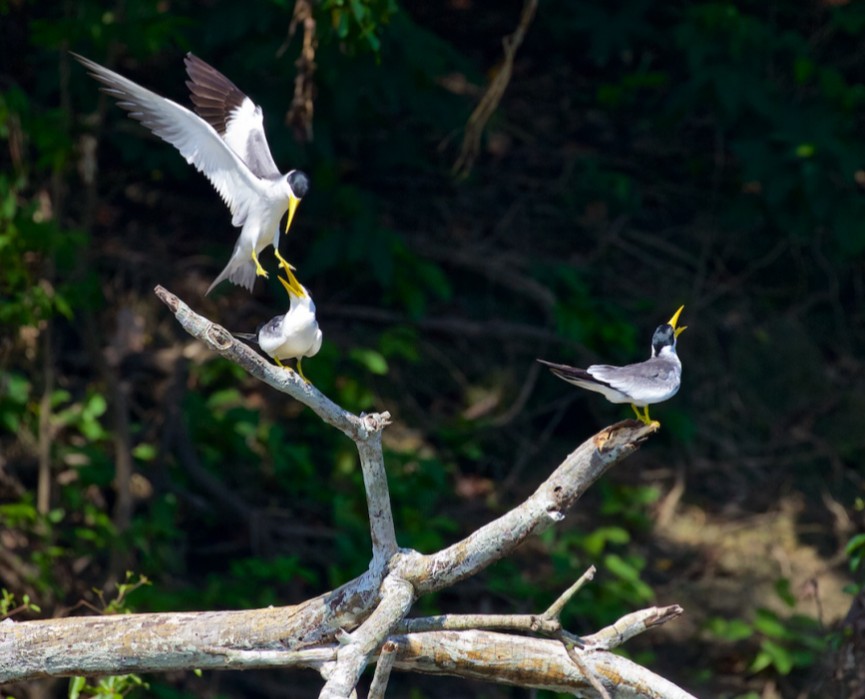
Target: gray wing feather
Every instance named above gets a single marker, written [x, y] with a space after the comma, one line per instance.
[238, 121]
[634, 376]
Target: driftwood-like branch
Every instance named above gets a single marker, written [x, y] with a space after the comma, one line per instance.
[527, 662]
[341, 632]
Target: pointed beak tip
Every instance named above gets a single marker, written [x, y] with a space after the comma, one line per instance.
[675, 319]
[293, 203]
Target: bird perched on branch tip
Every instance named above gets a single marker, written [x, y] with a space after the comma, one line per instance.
[295, 334]
[643, 384]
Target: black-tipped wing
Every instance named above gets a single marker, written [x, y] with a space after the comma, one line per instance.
[569, 373]
[235, 117]
[196, 140]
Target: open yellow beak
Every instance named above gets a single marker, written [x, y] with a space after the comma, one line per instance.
[675, 319]
[293, 202]
[292, 286]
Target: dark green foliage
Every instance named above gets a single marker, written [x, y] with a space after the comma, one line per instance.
[644, 155]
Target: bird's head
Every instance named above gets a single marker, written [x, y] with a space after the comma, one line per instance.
[665, 335]
[298, 186]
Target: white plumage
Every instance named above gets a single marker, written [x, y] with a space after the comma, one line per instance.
[226, 142]
[295, 334]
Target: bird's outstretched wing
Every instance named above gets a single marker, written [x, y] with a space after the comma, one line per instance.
[235, 117]
[196, 140]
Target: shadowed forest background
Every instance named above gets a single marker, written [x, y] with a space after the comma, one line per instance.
[643, 156]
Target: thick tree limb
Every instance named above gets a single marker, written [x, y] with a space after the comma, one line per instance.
[527, 662]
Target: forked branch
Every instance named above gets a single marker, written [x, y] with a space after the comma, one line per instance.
[341, 632]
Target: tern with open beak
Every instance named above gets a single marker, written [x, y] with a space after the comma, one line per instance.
[225, 141]
[644, 384]
[295, 334]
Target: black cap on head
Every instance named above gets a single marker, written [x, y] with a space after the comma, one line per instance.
[664, 336]
[299, 183]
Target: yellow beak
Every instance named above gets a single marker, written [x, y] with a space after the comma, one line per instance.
[292, 286]
[293, 202]
[675, 319]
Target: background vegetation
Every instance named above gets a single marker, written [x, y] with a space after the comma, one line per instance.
[643, 156]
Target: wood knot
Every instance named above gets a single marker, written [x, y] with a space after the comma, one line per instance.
[219, 338]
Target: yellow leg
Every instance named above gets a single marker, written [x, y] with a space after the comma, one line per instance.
[289, 273]
[300, 370]
[280, 364]
[642, 416]
[282, 262]
[259, 270]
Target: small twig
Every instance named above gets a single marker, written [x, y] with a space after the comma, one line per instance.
[300, 113]
[493, 96]
[313, 658]
[530, 623]
[555, 609]
[630, 625]
[588, 672]
[382, 671]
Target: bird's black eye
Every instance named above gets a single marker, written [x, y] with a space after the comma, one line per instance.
[299, 183]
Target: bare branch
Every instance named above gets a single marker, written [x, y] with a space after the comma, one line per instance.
[364, 430]
[527, 662]
[357, 649]
[287, 381]
[382, 671]
[490, 101]
[375, 604]
[547, 505]
[172, 641]
[528, 623]
[630, 625]
[377, 494]
[555, 609]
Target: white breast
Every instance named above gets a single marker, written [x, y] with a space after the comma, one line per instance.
[297, 335]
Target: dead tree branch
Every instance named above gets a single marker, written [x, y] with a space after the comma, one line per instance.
[341, 632]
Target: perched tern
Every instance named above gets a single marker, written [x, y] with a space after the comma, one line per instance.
[225, 141]
[653, 381]
[294, 335]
